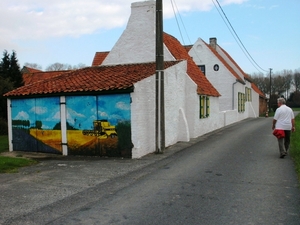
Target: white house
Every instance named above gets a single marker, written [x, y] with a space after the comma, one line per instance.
[109, 108]
[234, 85]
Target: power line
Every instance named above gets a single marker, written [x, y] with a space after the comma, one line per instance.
[182, 25]
[181, 21]
[236, 35]
[177, 20]
[230, 28]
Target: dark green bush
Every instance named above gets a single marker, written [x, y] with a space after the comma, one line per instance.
[3, 127]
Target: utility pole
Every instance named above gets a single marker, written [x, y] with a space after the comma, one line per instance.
[159, 81]
[270, 90]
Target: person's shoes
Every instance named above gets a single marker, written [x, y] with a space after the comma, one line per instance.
[282, 156]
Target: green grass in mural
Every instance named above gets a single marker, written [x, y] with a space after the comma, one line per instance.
[295, 145]
[11, 165]
[3, 143]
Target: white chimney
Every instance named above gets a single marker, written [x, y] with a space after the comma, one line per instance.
[137, 43]
[213, 42]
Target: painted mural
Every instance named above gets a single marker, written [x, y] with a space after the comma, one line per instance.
[96, 125]
[34, 125]
[99, 125]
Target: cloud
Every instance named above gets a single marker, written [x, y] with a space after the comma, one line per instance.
[39, 110]
[122, 106]
[72, 115]
[35, 19]
[40, 20]
[22, 116]
[102, 114]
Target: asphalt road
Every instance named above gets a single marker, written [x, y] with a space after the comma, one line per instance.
[230, 176]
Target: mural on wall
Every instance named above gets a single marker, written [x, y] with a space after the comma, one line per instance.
[99, 125]
[33, 125]
[96, 125]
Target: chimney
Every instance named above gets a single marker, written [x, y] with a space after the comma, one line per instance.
[213, 42]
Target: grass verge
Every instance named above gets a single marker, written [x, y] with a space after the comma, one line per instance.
[11, 165]
[295, 145]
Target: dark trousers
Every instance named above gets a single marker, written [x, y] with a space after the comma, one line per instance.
[284, 143]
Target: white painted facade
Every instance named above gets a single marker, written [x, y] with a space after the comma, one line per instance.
[137, 44]
[181, 111]
[224, 81]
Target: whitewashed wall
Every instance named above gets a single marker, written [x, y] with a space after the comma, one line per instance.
[137, 45]
[222, 80]
[143, 117]
[181, 111]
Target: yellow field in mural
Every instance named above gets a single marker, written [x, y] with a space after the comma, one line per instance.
[75, 139]
[49, 137]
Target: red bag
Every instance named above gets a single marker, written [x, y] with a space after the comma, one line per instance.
[279, 133]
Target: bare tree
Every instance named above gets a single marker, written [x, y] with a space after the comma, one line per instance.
[287, 79]
[262, 82]
[56, 67]
[59, 66]
[296, 80]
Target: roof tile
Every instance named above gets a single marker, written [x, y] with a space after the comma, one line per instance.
[99, 58]
[99, 78]
[180, 53]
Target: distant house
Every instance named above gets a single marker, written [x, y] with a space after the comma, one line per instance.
[108, 109]
[31, 75]
[234, 85]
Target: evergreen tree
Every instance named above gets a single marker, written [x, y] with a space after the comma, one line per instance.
[15, 71]
[10, 69]
[5, 86]
[10, 78]
[4, 65]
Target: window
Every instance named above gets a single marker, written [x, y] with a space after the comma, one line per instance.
[202, 68]
[241, 102]
[204, 106]
[248, 93]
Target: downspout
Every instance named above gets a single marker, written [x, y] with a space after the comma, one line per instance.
[233, 94]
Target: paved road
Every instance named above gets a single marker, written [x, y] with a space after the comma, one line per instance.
[231, 176]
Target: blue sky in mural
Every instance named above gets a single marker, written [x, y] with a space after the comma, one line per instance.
[114, 108]
[81, 110]
[42, 109]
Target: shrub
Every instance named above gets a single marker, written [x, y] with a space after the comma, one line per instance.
[3, 127]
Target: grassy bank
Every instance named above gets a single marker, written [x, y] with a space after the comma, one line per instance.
[11, 164]
[295, 146]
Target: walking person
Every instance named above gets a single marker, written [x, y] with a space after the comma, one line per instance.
[284, 121]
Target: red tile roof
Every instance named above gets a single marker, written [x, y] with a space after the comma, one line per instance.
[27, 69]
[237, 66]
[33, 77]
[246, 76]
[99, 58]
[258, 91]
[89, 79]
[188, 47]
[180, 53]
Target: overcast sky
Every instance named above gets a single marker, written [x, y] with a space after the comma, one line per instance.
[70, 32]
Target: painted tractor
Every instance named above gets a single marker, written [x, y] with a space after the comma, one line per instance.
[102, 128]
